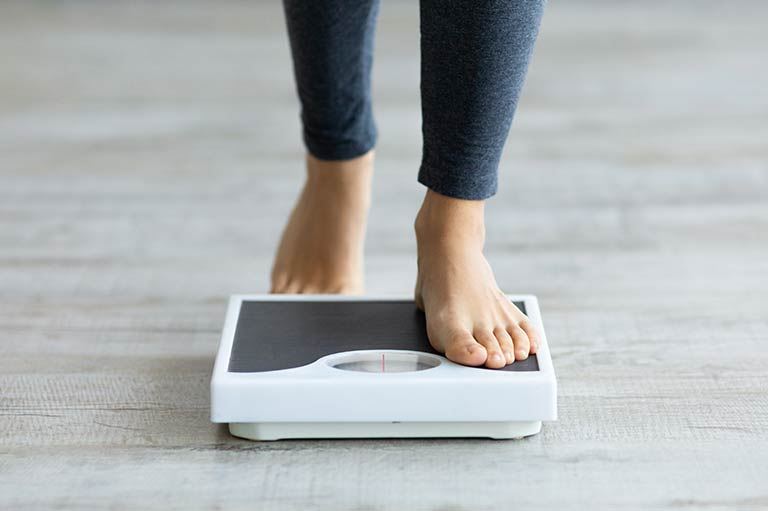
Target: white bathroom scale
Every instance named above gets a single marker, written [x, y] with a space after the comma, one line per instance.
[329, 366]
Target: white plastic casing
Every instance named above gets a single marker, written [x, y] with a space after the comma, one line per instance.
[319, 393]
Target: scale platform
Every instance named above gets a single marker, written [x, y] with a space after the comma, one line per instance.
[330, 366]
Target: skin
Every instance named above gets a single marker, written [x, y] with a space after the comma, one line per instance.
[469, 318]
[328, 222]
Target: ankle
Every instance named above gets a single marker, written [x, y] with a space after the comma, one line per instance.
[346, 180]
[353, 171]
[447, 218]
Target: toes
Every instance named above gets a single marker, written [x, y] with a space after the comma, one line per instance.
[522, 344]
[495, 358]
[291, 287]
[310, 289]
[506, 344]
[279, 280]
[462, 348]
[530, 331]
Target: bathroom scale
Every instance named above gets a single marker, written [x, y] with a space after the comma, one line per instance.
[330, 366]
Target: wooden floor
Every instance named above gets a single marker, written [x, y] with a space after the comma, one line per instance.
[149, 152]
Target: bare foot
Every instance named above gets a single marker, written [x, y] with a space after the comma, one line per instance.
[468, 317]
[321, 250]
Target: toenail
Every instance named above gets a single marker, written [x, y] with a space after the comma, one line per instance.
[497, 357]
[509, 355]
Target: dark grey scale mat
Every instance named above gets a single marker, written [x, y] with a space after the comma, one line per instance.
[282, 335]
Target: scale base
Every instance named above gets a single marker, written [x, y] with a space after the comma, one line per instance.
[286, 430]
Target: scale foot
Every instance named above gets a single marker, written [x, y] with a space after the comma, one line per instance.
[286, 430]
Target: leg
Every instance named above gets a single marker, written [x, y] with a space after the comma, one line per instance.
[332, 48]
[475, 56]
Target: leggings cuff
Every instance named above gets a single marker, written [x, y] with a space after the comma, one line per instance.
[340, 150]
[469, 182]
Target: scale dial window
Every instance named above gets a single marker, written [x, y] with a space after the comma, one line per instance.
[383, 362]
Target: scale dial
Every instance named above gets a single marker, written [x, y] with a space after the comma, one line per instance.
[385, 362]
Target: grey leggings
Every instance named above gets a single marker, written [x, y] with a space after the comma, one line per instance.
[474, 57]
